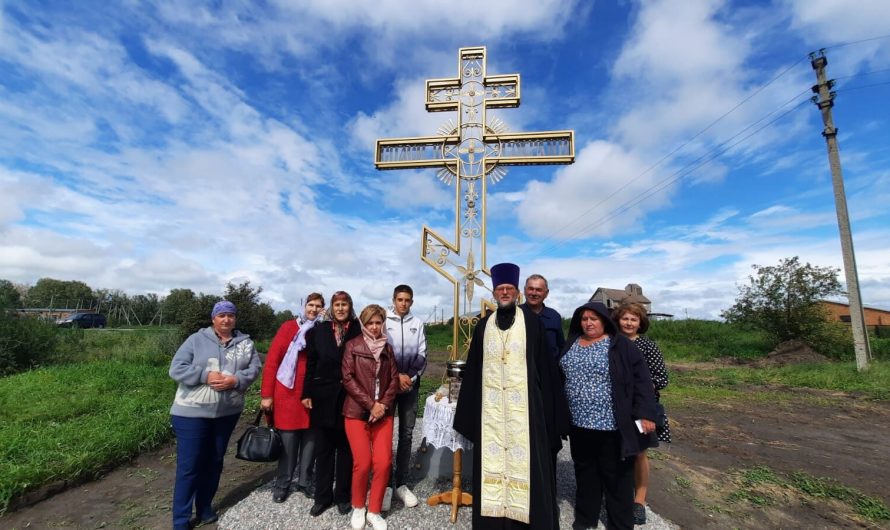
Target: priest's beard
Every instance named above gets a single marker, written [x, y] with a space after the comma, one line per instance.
[506, 314]
[504, 305]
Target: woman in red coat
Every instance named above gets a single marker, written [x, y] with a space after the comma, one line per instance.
[283, 377]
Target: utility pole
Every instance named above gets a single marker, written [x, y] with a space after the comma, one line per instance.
[825, 101]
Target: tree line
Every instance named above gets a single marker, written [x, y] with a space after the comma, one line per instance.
[781, 300]
[26, 342]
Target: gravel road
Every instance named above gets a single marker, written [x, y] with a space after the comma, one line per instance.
[257, 511]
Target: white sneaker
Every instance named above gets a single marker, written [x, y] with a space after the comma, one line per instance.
[387, 500]
[406, 496]
[358, 519]
[377, 522]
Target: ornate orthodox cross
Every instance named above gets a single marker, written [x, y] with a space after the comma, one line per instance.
[469, 154]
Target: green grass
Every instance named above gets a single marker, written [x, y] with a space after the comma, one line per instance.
[750, 482]
[76, 421]
[826, 488]
[873, 383]
[148, 345]
[438, 337]
[107, 398]
[703, 340]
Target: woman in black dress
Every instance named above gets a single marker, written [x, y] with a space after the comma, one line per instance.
[633, 320]
[323, 395]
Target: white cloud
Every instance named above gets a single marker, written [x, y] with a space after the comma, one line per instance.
[157, 160]
[409, 191]
[405, 117]
[390, 32]
[606, 190]
[833, 22]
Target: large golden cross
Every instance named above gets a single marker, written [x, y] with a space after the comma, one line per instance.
[470, 153]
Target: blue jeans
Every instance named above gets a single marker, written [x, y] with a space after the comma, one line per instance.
[200, 448]
[406, 406]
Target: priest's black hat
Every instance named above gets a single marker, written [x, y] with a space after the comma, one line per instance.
[505, 273]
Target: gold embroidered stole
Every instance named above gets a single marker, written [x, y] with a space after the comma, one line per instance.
[505, 443]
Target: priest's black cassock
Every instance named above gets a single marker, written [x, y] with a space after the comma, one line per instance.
[548, 420]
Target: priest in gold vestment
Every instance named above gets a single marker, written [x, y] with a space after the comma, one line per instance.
[512, 407]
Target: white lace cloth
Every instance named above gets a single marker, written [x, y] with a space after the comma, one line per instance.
[438, 417]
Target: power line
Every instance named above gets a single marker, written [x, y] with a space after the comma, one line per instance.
[860, 74]
[701, 161]
[861, 87]
[675, 150]
[860, 41]
[705, 158]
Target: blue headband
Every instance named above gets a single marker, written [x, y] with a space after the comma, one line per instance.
[223, 306]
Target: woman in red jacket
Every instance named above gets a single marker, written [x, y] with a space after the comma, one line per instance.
[371, 380]
[283, 376]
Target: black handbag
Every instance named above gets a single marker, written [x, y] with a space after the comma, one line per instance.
[259, 444]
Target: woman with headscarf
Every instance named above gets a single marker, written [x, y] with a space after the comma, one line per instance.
[633, 321]
[371, 379]
[214, 367]
[323, 395]
[612, 408]
[282, 391]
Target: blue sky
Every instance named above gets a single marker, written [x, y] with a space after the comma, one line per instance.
[151, 145]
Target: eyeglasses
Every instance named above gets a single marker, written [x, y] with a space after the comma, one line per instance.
[505, 289]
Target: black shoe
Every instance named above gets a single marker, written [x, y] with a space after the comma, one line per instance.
[318, 509]
[304, 490]
[639, 514]
[344, 507]
[279, 494]
[196, 521]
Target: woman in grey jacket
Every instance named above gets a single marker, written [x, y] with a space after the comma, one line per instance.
[214, 367]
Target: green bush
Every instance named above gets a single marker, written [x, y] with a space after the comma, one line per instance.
[25, 343]
[835, 340]
[255, 317]
[880, 348]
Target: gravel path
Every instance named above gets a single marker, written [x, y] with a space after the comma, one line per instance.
[258, 511]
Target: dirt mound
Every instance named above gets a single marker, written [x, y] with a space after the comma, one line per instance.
[792, 352]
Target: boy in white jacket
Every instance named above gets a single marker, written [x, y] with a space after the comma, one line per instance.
[405, 334]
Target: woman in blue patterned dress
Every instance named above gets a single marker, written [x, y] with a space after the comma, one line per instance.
[633, 321]
[612, 407]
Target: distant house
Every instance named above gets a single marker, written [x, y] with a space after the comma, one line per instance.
[613, 297]
[840, 312]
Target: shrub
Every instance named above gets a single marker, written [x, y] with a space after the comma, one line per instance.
[833, 339]
[880, 348]
[25, 343]
[255, 318]
[783, 301]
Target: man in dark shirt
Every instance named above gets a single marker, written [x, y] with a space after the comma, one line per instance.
[536, 291]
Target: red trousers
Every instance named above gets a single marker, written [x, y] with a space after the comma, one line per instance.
[371, 445]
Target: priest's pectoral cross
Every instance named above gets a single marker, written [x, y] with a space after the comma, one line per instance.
[470, 154]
